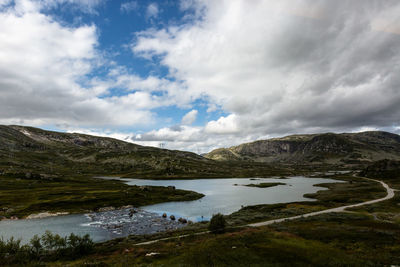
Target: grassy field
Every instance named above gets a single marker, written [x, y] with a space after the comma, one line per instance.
[22, 197]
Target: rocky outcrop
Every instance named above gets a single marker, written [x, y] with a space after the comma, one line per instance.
[315, 148]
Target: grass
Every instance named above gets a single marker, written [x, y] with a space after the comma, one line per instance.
[241, 247]
[22, 197]
[358, 234]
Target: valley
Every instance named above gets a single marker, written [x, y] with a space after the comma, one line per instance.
[43, 172]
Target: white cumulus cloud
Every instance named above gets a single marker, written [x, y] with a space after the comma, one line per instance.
[190, 117]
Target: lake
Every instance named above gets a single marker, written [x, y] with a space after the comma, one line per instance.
[221, 196]
[229, 195]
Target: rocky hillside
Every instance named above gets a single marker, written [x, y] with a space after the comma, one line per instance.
[346, 148]
[34, 151]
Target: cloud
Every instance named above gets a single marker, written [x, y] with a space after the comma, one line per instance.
[128, 7]
[281, 67]
[187, 138]
[4, 3]
[152, 10]
[224, 125]
[190, 117]
[43, 75]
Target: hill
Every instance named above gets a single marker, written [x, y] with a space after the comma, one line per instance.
[27, 149]
[327, 148]
[383, 169]
[31, 152]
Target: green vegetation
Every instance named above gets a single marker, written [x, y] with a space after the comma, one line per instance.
[21, 196]
[217, 224]
[49, 247]
[280, 245]
[374, 241]
[387, 170]
[265, 185]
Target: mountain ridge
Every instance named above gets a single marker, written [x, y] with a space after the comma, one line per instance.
[33, 152]
[346, 148]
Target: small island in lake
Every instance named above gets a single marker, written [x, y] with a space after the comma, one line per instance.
[264, 185]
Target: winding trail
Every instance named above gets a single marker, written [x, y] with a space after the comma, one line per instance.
[389, 191]
[390, 194]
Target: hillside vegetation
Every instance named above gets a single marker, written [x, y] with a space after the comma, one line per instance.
[328, 148]
[27, 152]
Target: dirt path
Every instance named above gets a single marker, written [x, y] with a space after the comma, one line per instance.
[390, 194]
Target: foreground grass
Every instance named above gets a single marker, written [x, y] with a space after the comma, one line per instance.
[327, 240]
[21, 197]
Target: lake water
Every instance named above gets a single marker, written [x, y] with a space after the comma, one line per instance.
[229, 195]
[221, 196]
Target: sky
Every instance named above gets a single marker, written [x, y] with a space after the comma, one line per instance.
[197, 75]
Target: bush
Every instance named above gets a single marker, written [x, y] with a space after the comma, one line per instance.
[48, 247]
[217, 224]
[79, 246]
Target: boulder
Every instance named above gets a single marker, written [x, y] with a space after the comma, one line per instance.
[182, 220]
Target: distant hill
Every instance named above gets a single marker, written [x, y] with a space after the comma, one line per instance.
[328, 148]
[29, 152]
[384, 169]
[27, 149]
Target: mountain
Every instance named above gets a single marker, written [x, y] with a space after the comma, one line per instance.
[327, 148]
[28, 151]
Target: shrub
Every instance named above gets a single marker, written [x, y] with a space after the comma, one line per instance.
[53, 242]
[48, 247]
[36, 247]
[217, 224]
[79, 246]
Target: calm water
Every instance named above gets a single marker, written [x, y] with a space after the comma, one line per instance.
[221, 195]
